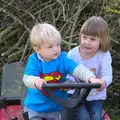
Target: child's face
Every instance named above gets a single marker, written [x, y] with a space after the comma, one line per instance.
[49, 50]
[89, 44]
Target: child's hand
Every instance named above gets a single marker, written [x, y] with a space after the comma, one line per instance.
[103, 84]
[38, 83]
[101, 81]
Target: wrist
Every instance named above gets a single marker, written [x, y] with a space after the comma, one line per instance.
[92, 79]
[104, 81]
[35, 83]
[38, 83]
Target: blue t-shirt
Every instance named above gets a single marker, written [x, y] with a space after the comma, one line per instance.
[54, 71]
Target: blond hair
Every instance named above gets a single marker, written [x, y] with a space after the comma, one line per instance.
[43, 32]
[97, 27]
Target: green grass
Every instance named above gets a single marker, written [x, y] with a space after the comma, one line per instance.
[116, 118]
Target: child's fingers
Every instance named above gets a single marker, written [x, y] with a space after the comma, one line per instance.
[101, 88]
[98, 90]
[65, 89]
[61, 89]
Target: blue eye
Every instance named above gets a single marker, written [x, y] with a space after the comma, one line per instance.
[58, 44]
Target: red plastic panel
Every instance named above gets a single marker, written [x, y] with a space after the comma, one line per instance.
[14, 111]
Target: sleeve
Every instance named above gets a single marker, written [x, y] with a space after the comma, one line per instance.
[69, 65]
[29, 80]
[78, 71]
[70, 77]
[31, 72]
[106, 68]
[31, 67]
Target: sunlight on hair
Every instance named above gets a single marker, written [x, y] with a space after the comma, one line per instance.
[44, 33]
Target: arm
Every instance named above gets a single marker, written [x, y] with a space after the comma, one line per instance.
[70, 77]
[83, 74]
[32, 81]
[78, 71]
[74, 55]
[106, 68]
[31, 75]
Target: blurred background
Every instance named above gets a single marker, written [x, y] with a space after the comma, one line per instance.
[17, 17]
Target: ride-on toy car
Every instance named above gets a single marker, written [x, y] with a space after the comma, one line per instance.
[13, 93]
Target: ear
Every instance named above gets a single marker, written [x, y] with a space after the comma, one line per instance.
[36, 49]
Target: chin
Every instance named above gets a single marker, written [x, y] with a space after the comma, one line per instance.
[55, 57]
[88, 51]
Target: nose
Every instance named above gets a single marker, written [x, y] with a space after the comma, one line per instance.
[56, 48]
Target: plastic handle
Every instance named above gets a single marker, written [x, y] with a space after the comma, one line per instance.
[71, 85]
[78, 96]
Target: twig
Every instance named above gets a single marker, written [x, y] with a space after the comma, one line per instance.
[63, 9]
[16, 19]
[25, 49]
[80, 8]
[11, 49]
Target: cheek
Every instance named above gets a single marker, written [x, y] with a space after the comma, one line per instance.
[82, 43]
[97, 45]
[59, 48]
[45, 51]
[48, 52]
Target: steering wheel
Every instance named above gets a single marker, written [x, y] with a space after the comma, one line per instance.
[78, 96]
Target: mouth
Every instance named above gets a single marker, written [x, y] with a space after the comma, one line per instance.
[87, 47]
[56, 54]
